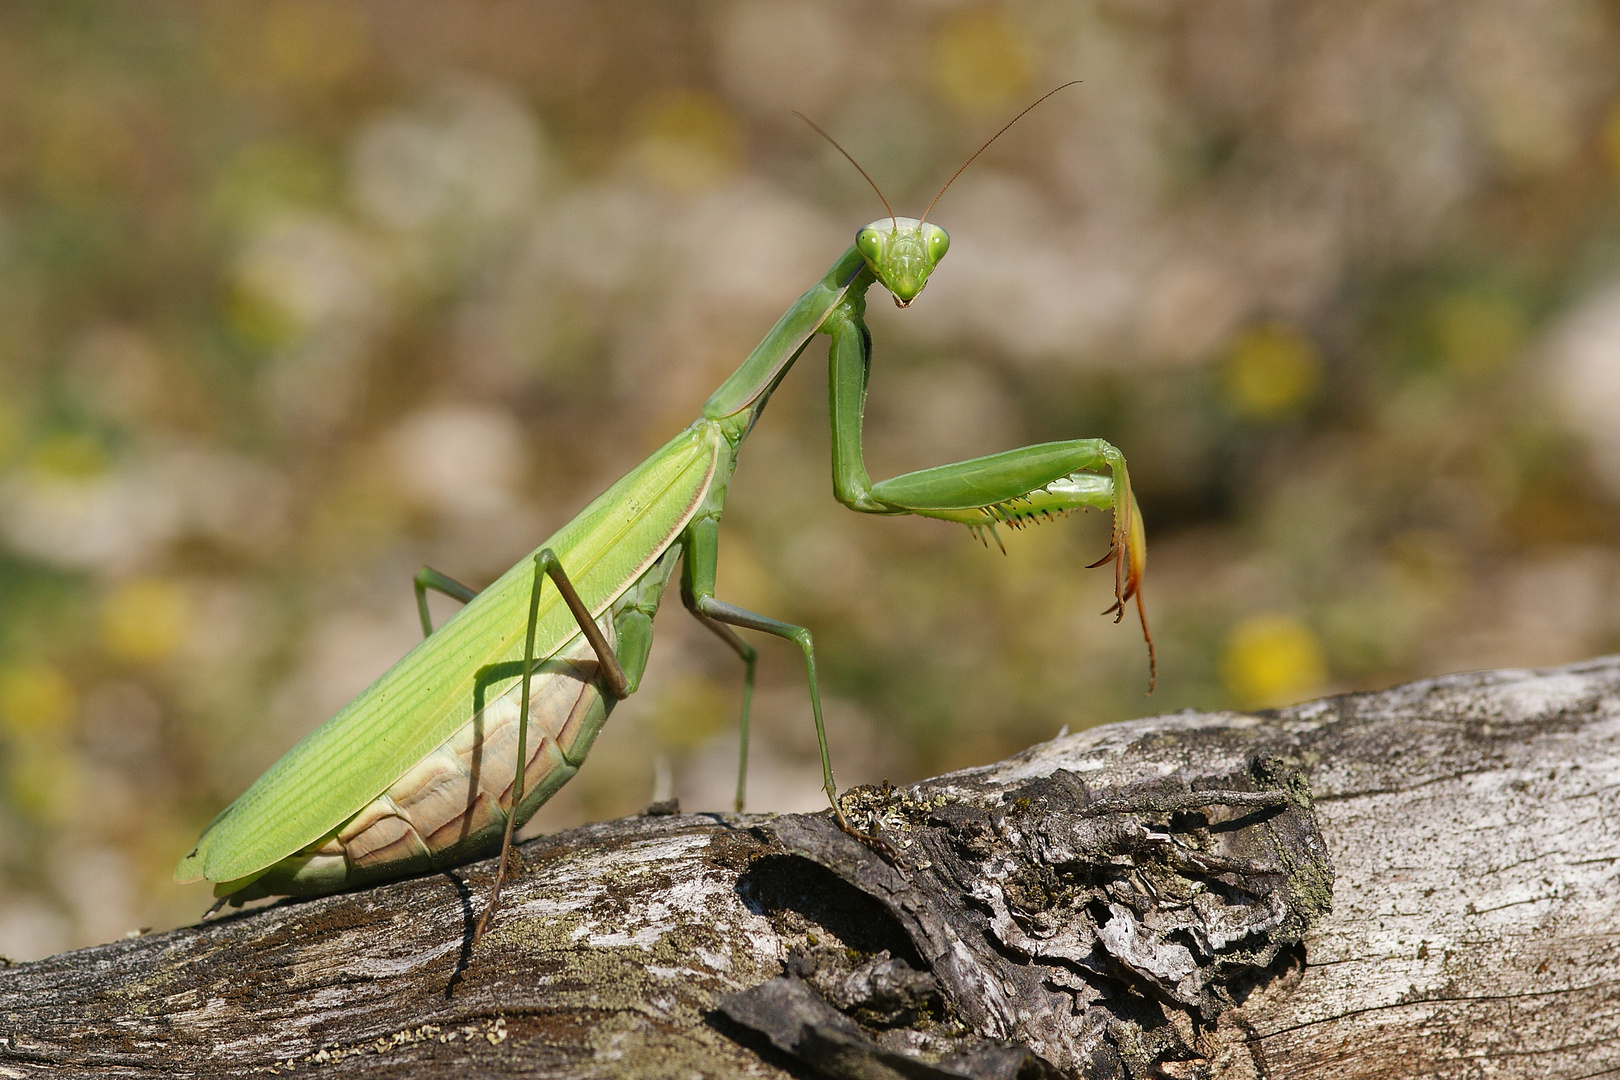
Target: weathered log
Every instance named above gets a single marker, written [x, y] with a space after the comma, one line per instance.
[1147, 898]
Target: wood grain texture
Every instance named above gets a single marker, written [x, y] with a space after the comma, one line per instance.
[1473, 824]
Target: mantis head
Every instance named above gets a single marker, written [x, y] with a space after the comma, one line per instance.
[901, 252]
[904, 253]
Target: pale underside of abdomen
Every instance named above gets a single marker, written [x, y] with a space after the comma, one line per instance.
[455, 800]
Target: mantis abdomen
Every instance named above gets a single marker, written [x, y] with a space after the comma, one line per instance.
[454, 802]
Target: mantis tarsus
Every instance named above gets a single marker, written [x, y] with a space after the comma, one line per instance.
[419, 771]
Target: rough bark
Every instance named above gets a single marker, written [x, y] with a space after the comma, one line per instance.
[1141, 899]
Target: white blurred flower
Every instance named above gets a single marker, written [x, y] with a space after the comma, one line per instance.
[115, 520]
[120, 519]
[459, 459]
[310, 270]
[470, 151]
[1585, 378]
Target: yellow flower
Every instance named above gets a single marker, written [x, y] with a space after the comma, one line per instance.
[35, 698]
[982, 61]
[1272, 660]
[145, 619]
[687, 141]
[1272, 372]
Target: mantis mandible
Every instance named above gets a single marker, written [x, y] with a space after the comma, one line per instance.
[420, 771]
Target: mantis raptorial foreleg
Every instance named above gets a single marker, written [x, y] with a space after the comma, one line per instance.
[1012, 488]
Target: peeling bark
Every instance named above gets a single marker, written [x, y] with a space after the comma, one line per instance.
[1149, 898]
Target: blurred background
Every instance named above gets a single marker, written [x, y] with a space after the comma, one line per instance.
[296, 297]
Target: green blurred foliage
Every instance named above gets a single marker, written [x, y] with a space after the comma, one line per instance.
[297, 296]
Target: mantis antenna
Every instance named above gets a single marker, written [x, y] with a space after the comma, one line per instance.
[987, 143]
[817, 128]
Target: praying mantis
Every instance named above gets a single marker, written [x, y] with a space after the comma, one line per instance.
[421, 772]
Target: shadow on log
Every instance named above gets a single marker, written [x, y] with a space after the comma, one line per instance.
[1153, 898]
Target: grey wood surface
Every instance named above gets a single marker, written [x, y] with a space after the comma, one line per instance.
[1472, 821]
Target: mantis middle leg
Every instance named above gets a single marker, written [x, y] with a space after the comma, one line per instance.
[611, 673]
[750, 658]
[702, 549]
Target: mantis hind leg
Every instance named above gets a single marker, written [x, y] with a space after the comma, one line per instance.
[429, 578]
[546, 564]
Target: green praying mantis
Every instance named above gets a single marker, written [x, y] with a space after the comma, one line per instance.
[421, 770]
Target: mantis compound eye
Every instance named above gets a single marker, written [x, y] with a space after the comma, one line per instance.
[938, 243]
[870, 243]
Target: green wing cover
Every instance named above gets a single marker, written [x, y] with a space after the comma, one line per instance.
[425, 697]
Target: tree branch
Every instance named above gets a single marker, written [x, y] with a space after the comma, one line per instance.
[1148, 898]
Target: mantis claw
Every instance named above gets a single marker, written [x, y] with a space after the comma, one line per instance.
[1128, 550]
[1111, 554]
